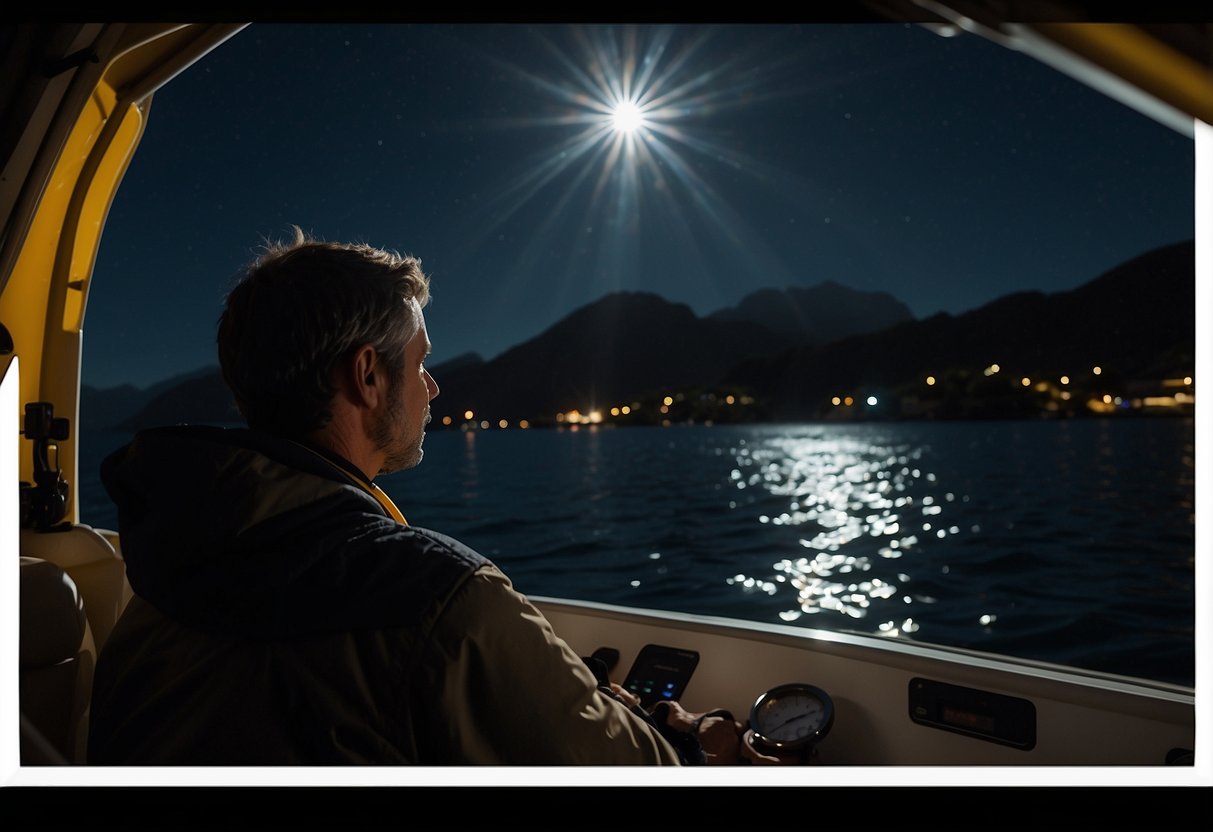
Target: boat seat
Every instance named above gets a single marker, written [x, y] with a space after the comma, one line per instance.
[94, 565]
[57, 660]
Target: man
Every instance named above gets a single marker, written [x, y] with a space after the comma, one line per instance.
[285, 612]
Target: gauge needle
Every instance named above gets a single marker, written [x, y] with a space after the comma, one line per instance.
[789, 722]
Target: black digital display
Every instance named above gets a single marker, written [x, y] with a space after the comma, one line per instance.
[985, 715]
[660, 673]
[966, 719]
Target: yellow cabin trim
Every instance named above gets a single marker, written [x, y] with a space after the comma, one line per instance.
[45, 294]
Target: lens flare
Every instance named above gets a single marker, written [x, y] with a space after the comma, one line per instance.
[626, 126]
[627, 117]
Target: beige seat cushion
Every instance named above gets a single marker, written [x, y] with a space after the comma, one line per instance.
[57, 660]
[93, 564]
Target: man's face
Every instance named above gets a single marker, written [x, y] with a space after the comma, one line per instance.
[402, 429]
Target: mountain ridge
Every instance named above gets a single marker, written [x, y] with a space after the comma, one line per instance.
[626, 345]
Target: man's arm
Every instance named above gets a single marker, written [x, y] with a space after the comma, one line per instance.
[506, 690]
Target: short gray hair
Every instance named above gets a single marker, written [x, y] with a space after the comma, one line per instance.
[298, 309]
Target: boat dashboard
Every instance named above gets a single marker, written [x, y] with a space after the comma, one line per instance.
[827, 698]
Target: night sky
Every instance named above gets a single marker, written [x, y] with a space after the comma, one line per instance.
[946, 171]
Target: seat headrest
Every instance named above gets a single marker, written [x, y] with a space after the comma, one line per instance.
[52, 614]
[69, 546]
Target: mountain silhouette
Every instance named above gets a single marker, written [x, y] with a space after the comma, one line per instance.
[110, 407]
[818, 314]
[202, 398]
[622, 346]
[1134, 321]
[1137, 320]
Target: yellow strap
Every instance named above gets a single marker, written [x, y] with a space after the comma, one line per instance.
[386, 501]
[375, 491]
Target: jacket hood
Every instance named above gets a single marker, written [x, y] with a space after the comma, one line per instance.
[240, 532]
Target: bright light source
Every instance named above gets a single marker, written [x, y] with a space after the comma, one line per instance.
[467, 414]
[930, 381]
[1097, 370]
[871, 400]
[626, 117]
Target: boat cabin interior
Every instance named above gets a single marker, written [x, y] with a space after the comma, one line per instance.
[76, 100]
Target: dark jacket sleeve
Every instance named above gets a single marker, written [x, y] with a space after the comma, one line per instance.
[506, 690]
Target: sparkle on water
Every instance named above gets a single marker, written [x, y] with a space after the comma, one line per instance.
[860, 505]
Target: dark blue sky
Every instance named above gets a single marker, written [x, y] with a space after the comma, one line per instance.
[946, 171]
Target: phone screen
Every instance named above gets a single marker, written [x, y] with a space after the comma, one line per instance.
[660, 674]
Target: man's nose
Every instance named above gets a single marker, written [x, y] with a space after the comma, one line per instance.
[431, 385]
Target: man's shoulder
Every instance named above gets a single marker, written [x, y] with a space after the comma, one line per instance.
[435, 544]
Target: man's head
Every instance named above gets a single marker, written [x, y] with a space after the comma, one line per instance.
[312, 326]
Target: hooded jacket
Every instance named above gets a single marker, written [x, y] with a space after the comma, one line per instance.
[282, 616]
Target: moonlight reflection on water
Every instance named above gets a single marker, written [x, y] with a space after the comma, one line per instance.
[855, 502]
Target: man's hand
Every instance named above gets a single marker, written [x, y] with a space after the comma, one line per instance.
[630, 699]
[719, 735]
[753, 755]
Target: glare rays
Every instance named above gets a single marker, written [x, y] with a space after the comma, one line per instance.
[626, 117]
[627, 114]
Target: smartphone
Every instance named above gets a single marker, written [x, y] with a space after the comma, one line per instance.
[660, 674]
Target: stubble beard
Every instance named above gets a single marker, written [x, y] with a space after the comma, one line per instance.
[403, 451]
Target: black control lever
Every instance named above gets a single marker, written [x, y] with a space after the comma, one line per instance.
[609, 657]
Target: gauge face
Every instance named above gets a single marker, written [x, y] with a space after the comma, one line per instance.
[793, 715]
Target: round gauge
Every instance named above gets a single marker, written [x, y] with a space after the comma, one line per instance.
[792, 717]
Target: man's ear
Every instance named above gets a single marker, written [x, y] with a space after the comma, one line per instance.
[366, 377]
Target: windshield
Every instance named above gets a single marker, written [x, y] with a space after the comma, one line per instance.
[853, 327]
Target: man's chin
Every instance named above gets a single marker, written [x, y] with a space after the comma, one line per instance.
[392, 466]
